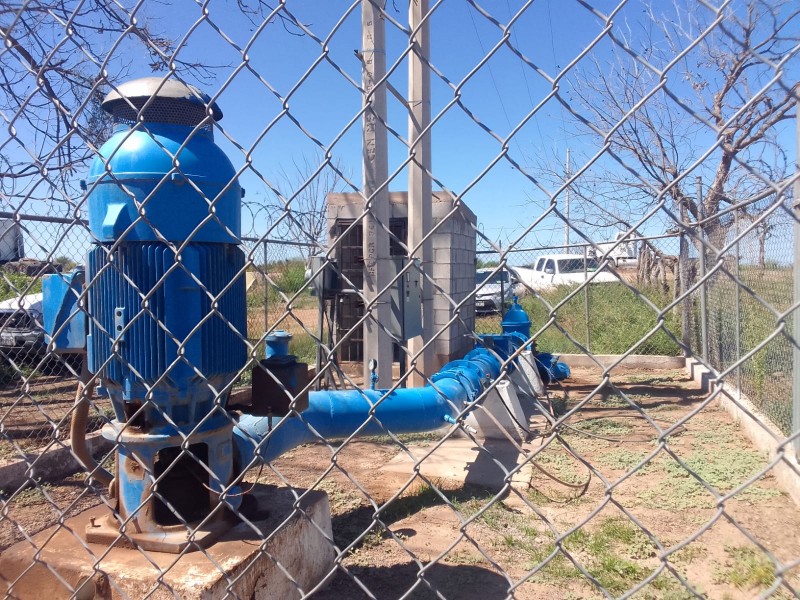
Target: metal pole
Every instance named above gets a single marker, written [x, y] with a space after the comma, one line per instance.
[683, 268]
[266, 289]
[420, 194]
[502, 285]
[738, 312]
[796, 315]
[701, 211]
[320, 331]
[586, 296]
[377, 267]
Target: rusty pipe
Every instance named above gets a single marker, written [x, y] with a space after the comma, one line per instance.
[77, 430]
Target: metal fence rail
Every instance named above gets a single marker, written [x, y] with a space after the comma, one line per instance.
[167, 439]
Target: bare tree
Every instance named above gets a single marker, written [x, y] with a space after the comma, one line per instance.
[660, 116]
[295, 206]
[53, 78]
[58, 60]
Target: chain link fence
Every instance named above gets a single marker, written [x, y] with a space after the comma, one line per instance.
[612, 314]
[164, 443]
[743, 299]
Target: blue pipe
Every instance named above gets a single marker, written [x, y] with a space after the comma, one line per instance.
[339, 414]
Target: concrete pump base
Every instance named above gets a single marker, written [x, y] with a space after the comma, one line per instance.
[60, 564]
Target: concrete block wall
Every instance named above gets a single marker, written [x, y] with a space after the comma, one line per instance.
[453, 268]
[453, 272]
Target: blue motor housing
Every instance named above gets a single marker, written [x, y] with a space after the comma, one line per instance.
[154, 335]
[170, 182]
[64, 319]
[166, 275]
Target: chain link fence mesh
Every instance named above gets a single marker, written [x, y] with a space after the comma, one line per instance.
[622, 481]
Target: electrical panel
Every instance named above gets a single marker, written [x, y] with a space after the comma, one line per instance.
[406, 298]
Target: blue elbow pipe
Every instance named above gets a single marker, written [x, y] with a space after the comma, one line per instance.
[339, 414]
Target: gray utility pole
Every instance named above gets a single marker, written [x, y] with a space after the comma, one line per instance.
[419, 181]
[377, 262]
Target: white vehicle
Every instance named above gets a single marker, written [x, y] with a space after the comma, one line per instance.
[622, 254]
[492, 289]
[552, 270]
[21, 332]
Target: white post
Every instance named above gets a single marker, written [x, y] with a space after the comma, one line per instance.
[419, 182]
[377, 272]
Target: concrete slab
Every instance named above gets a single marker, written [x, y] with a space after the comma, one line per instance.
[461, 460]
[52, 464]
[244, 563]
[634, 361]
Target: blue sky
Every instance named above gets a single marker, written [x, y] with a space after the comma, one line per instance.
[550, 33]
[500, 94]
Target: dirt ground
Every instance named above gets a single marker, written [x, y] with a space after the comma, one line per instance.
[470, 542]
[640, 518]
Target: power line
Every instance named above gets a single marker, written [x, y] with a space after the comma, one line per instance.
[555, 64]
[494, 82]
[522, 68]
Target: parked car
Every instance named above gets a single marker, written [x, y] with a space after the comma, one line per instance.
[21, 332]
[551, 270]
[492, 289]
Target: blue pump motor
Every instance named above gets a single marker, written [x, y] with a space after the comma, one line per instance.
[167, 307]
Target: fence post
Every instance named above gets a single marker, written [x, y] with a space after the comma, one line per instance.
[796, 316]
[503, 271]
[701, 213]
[683, 271]
[266, 288]
[738, 306]
[586, 297]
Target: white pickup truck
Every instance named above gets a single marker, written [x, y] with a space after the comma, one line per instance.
[551, 270]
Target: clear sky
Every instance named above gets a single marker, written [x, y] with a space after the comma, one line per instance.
[297, 94]
[500, 94]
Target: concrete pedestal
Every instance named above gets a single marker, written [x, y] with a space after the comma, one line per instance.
[460, 460]
[244, 563]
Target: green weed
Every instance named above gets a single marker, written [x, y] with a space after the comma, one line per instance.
[304, 348]
[32, 495]
[416, 499]
[688, 554]
[618, 319]
[620, 459]
[745, 568]
[341, 500]
[603, 426]
[410, 438]
[561, 465]
[17, 284]
[612, 551]
[723, 468]
[463, 557]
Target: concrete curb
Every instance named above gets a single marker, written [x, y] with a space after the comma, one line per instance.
[634, 361]
[757, 426]
[54, 463]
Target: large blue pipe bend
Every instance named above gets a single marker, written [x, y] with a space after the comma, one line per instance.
[339, 414]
